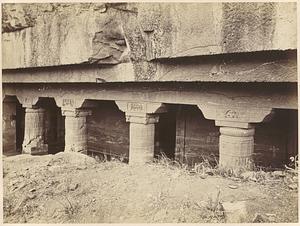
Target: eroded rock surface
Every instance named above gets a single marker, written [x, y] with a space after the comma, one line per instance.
[61, 34]
[142, 33]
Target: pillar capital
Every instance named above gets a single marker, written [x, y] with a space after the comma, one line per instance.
[237, 132]
[244, 125]
[235, 116]
[77, 112]
[140, 107]
[28, 102]
[69, 103]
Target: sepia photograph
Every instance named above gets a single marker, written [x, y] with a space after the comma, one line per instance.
[149, 112]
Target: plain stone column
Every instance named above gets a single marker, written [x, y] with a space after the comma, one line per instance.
[236, 148]
[9, 127]
[76, 130]
[34, 133]
[141, 146]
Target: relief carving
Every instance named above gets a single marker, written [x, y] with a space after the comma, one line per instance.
[68, 102]
[136, 107]
[231, 114]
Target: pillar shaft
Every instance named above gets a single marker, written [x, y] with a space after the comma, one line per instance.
[9, 127]
[34, 133]
[236, 148]
[141, 147]
[76, 130]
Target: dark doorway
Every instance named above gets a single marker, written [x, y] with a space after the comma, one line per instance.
[108, 131]
[20, 125]
[54, 125]
[165, 133]
[276, 140]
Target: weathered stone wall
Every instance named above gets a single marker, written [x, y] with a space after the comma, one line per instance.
[60, 34]
[105, 33]
[171, 30]
[108, 132]
[196, 137]
[164, 31]
[275, 141]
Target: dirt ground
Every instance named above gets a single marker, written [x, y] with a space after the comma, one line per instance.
[74, 188]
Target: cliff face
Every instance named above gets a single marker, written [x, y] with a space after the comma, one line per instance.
[36, 35]
[179, 30]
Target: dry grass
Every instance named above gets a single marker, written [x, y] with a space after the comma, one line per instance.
[72, 188]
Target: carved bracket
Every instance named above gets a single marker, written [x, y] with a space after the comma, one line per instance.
[140, 108]
[69, 103]
[141, 112]
[235, 116]
[27, 102]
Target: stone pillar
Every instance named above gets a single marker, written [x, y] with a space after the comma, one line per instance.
[236, 144]
[142, 117]
[76, 130]
[236, 147]
[9, 127]
[34, 134]
[142, 129]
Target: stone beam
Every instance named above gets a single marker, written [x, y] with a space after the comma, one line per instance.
[142, 117]
[248, 95]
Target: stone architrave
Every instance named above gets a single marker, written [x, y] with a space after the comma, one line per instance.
[76, 130]
[9, 126]
[236, 143]
[34, 134]
[142, 119]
